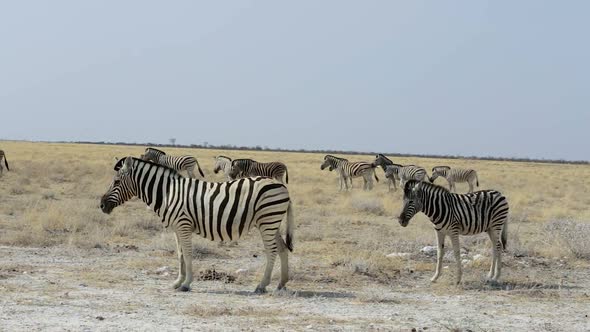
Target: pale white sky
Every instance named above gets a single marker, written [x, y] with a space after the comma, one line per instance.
[497, 78]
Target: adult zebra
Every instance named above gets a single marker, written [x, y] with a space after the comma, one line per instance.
[454, 175]
[405, 173]
[216, 211]
[178, 163]
[459, 214]
[3, 156]
[348, 170]
[249, 167]
[223, 163]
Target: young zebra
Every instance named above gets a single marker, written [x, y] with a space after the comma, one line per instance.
[3, 156]
[384, 162]
[348, 170]
[178, 163]
[248, 167]
[454, 175]
[459, 214]
[223, 163]
[216, 211]
[405, 173]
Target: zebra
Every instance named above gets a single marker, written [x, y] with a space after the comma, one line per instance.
[459, 214]
[223, 163]
[216, 211]
[177, 163]
[405, 173]
[3, 156]
[349, 170]
[384, 162]
[249, 167]
[454, 175]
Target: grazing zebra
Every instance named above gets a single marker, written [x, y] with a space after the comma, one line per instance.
[459, 214]
[384, 162]
[223, 163]
[216, 211]
[3, 156]
[348, 170]
[454, 175]
[248, 167]
[178, 163]
[405, 173]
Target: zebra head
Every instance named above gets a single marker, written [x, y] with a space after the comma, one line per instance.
[152, 154]
[330, 162]
[412, 202]
[236, 169]
[220, 162]
[121, 189]
[381, 160]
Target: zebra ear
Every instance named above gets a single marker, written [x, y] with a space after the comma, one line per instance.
[127, 164]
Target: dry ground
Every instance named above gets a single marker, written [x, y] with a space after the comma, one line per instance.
[66, 266]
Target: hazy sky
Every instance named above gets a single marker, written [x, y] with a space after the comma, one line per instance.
[497, 78]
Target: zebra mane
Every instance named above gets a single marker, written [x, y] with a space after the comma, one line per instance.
[411, 183]
[445, 167]
[384, 157]
[242, 159]
[150, 148]
[120, 162]
[331, 156]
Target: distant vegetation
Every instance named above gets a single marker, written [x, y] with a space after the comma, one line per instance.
[346, 152]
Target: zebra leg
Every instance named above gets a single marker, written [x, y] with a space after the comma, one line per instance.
[457, 252]
[184, 235]
[284, 256]
[181, 267]
[271, 248]
[493, 239]
[440, 253]
[496, 268]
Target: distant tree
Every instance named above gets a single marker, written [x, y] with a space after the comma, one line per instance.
[172, 141]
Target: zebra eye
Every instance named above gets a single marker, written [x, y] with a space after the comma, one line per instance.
[117, 182]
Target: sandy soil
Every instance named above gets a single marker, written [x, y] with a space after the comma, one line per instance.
[108, 289]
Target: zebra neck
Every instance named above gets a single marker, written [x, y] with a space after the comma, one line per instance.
[154, 186]
[435, 202]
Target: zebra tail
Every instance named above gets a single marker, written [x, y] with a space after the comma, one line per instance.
[290, 228]
[286, 176]
[200, 170]
[476, 180]
[6, 163]
[505, 235]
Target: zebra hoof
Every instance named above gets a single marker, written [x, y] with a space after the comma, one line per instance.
[260, 290]
[183, 289]
[281, 287]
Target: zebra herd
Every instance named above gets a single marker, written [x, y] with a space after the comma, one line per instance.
[255, 196]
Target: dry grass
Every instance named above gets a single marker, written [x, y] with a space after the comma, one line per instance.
[50, 197]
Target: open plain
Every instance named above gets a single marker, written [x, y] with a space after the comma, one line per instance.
[64, 265]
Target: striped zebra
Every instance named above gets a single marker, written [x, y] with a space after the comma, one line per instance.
[3, 156]
[384, 162]
[223, 163]
[405, 173]
[348, 170]
[459, 214]
[178, 163]
[454, 175]
[216, 211]
[248, 167]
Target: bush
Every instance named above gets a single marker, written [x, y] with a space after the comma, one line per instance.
[573, 235]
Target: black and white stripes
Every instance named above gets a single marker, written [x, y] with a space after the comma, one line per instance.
[178, 163]
[249, 167]
[348, 170]
[454, 175]
[216, 211]
[459, 214]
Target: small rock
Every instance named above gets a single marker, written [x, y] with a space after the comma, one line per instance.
[398, 254]
[99, 317]
[163, 269]
[309, 326]
[241, 271]
[478, 257]
[428, 250]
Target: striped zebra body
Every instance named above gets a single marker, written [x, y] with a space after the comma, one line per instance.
[223, 163]
[459, 214]
[177, 163]
[3, 156]
[405, 173]
[454, 175]
[384, 162]
[216, 211]
[249, 167]
[348, 170]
